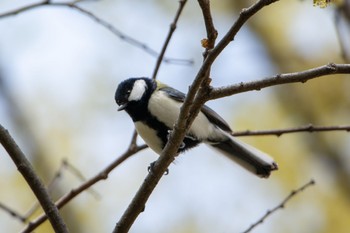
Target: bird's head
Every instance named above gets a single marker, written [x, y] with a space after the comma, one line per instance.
[133, 90]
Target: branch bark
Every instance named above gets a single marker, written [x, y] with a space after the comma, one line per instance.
[279, 79]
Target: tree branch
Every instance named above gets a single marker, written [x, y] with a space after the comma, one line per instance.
[279, 132]
[25, 168]
[281, 205]
[279, 79]
[24, 8]
[105, 24]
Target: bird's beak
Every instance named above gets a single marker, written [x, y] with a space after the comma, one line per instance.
[122, 106]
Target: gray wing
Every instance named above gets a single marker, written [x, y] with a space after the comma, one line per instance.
[208, 112]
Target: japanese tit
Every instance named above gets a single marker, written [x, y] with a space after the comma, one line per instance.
[154, 109]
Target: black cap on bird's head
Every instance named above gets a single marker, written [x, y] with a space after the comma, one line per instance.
[122, 93]
[131, 90]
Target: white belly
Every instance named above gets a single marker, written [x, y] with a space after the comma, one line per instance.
[150, 137]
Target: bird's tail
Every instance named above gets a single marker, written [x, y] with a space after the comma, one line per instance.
[247, 156]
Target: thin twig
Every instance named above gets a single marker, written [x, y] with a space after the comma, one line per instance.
[279, 132]
[133, 142]
[133, 149]
[131, 40]
[24, 8]
[167, 40]
[25, 168]
[108, 26]
[281, 205]
[13, 213]
[209, 42]
[212, 33]
[75, 171]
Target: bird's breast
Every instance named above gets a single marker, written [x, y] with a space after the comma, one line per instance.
[165, 109]
[149, 135]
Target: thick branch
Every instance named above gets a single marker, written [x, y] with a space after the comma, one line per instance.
[25, 168]
[279, 79]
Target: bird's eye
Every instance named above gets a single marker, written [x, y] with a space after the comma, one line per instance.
[128, 91]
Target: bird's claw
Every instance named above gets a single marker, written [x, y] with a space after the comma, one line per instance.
[151, 166]
[182, 145]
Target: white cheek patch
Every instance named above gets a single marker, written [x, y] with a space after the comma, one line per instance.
[138, 90]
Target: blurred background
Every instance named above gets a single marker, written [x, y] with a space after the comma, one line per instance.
[58, 73]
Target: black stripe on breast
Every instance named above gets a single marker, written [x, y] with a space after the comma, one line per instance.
[163, 132]
[138, 112]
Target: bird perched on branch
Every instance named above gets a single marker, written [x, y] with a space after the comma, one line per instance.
[154, 109]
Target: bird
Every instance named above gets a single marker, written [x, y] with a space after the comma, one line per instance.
[154, 108]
